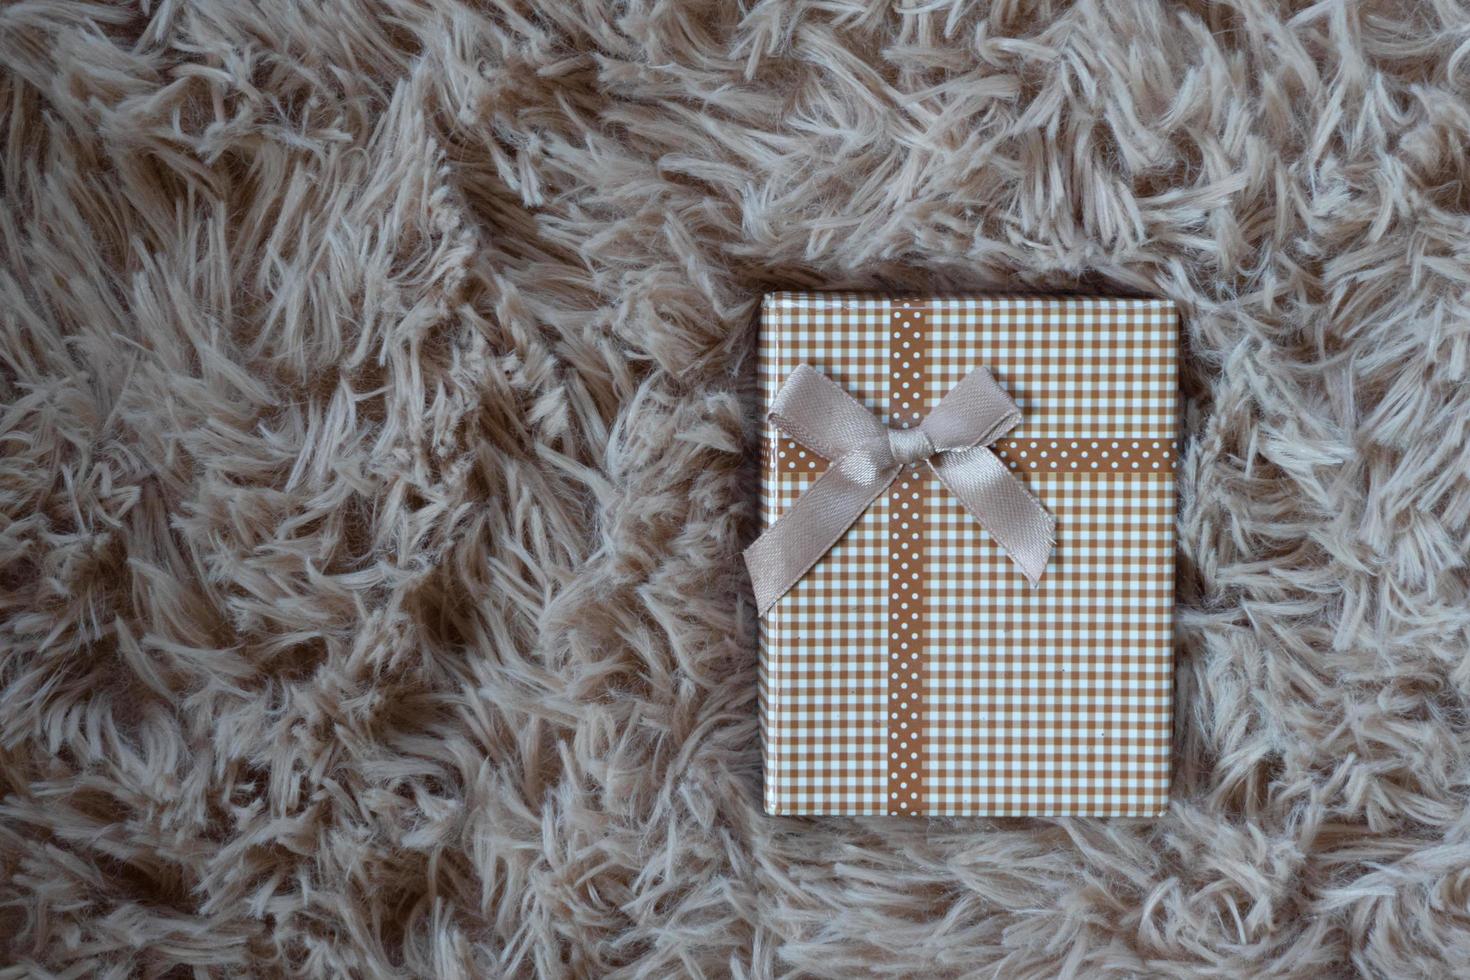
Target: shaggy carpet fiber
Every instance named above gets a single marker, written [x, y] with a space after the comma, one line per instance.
[378, 446]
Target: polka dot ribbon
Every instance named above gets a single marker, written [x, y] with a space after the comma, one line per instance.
[867, 456]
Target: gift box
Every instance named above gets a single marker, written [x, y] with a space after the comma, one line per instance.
[966, 567]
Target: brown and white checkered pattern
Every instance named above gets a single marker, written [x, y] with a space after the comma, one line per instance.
[1036, 702]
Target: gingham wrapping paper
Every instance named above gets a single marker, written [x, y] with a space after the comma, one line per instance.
[1049, 701]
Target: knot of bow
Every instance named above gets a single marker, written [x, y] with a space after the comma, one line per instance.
[865, 458]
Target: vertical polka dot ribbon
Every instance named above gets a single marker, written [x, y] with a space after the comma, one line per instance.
[867, 456]
[906, 745]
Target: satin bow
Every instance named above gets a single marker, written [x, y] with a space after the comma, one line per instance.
[865, 458]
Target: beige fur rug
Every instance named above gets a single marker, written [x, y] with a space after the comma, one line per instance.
[377, 451]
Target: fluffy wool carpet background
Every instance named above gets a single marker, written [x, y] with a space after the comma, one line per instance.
[378, 447]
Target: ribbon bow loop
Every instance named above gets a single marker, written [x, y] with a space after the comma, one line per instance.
[866, 456]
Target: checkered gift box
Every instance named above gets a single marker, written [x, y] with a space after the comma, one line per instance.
[913, 670]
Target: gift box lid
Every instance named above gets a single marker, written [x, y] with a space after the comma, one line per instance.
[914, 670]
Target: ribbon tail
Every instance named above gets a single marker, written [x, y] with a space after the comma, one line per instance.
[1002, 505]
[790, 547]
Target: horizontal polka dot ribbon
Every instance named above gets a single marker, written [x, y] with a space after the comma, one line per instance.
[866, 456]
